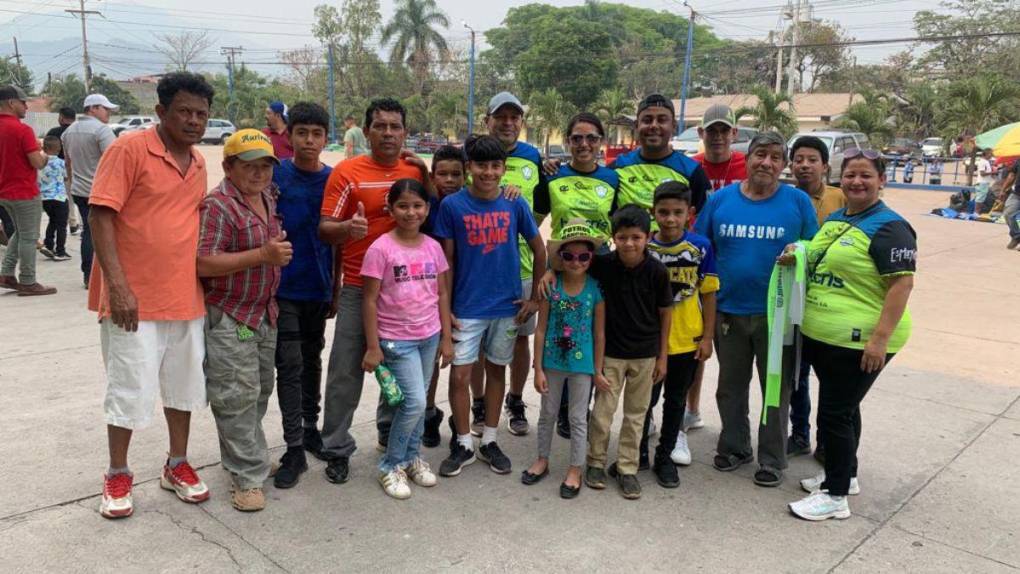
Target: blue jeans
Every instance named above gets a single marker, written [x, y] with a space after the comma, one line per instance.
[411, 363]
[800, 403]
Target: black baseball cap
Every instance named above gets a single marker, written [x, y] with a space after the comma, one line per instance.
[12, 92]
[656, 101]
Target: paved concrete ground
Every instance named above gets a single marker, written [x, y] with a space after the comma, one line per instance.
[938, 465]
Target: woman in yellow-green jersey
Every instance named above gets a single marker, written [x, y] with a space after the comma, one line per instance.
[861, 266]
[581, 188]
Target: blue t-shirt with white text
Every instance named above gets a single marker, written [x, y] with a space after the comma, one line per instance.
[487, 263]
[309, 275]
[748, 235]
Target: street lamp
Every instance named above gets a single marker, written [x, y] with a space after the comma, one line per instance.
[471, 82]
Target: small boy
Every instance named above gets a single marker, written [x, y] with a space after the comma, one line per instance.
[908, 171]
[690, 262]
[305, 295]
[241, 249]
[639, 305]
[53, 186]
[479, 227]
[448, 171]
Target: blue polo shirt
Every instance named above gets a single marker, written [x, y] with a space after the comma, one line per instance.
[309, 275]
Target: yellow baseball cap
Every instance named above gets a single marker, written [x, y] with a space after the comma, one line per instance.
[249, 144]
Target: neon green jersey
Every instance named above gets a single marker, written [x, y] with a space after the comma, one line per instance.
[639, 177]
[524, 171]
[574, 194]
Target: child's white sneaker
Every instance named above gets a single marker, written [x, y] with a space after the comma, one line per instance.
[421, 473]
[394, 483]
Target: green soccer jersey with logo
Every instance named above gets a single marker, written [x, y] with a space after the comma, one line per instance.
[639, 177]
[849, 261]
[524, 171]
[575, 194]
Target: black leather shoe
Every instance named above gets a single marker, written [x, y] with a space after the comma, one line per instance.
[529, 479]
[569, 491]
[338, 471]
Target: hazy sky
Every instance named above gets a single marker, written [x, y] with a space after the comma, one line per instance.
[264, 27]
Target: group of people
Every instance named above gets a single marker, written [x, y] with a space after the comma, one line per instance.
[655, 263]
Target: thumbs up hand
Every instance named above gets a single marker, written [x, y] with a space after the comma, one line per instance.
[357, 226]
[277, 251]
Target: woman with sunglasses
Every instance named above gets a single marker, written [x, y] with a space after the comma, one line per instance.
[861, 264]
[581, 188]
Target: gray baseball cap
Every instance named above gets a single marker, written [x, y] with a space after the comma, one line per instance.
[767, 138]
[504, 99]
[12, 92]
[719, 114]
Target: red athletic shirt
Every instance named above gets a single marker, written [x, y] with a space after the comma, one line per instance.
[722, 174]
[18, 179]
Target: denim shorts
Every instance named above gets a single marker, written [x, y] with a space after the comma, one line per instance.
[495, 336]
[527, 328]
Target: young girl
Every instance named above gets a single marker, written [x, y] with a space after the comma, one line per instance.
[407, 320]
[569, 348]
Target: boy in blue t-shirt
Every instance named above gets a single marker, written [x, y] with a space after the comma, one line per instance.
[53, 187]
[305, 295]
[479, 228]
[690, 263]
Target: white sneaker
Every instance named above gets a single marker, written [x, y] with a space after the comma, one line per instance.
[814, 484]
[692, 421]
[681, 452]
[821, 506]
[394, 483]
[420, 472]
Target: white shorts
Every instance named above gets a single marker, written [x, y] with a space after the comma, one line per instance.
[161, 355]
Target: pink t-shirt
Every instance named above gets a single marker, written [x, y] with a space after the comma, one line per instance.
[408, 306]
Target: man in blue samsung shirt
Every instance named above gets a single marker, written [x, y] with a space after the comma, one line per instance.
[306, 290]
[750, 223]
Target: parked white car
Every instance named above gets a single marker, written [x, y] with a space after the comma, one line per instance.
[837, 142]
[932, 147]
[217, 131]
[132, 123]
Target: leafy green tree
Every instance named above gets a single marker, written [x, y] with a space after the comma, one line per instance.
[770, 113]
[415, 39]
[70, 92]
[252, 93]
[873, 120]
[916, 115]
[13, 73]
[548, 112]
[610, 105]
[980, 50]
[822, 56]
[976, 104]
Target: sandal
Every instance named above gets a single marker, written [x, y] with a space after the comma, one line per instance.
[730, 462]
[768, 476]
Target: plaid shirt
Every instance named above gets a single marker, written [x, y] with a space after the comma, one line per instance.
[230, 226]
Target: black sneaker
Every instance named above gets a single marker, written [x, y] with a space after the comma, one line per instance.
[630, 486]
[797, 445]
[516, 422]
[47, 252]
[820, 454]
[498, 462]
[292, 464]
[458, 459]
[312, 442]
[338, 471]
[666, 474]
[430, 438]
[595, 477]
[477, 416]
[563, 427]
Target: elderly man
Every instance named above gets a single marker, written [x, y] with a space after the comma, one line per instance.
[750, 223]
[85, 142]
[20, 158]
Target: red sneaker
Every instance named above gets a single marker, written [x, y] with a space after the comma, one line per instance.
[184, 481]
[117, 496]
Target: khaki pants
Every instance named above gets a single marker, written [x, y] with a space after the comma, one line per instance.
[633, 379]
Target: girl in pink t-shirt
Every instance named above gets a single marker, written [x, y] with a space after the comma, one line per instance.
[406, 310]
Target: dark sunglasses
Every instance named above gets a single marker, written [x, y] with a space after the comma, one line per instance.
[590, 139]
[852, 152]
[582, 257]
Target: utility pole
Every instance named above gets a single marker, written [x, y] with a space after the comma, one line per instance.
[82, 12]
[471, 83]
[332, 98]
[779, 62]
[791, 72]
[17, 54]
[230, 52]
[682, 123]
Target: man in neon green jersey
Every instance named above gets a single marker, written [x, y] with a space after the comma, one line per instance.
[505, 120]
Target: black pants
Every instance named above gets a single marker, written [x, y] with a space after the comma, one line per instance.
[800, 403]
[300, 337]
[6, 223]
[56, 228]
[680, 371]
[842, 386]
[86, 236]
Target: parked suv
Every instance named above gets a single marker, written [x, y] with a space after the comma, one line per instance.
[837, 142]
[689, 142]
[132, 123]
[217, 131]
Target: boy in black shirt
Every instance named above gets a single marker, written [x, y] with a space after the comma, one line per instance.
[638, 310]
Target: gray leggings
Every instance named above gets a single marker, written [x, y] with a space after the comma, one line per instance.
[579, 385]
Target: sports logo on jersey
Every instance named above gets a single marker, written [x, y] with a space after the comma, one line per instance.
[601, 190]
[527, 172]
[846, 241]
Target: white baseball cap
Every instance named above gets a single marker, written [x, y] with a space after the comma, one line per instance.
[99, 100]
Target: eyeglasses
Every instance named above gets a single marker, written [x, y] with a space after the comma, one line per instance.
[590, 139]
[852, 152]
[583, 257]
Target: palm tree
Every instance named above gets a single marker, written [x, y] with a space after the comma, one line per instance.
[872, 120]
[414, 37]
[918, 111]
[611, 104]
[769, 113]
[548, 111]
[977, 104]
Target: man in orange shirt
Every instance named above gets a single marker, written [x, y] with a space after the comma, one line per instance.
[145, 221]
[353, 214]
